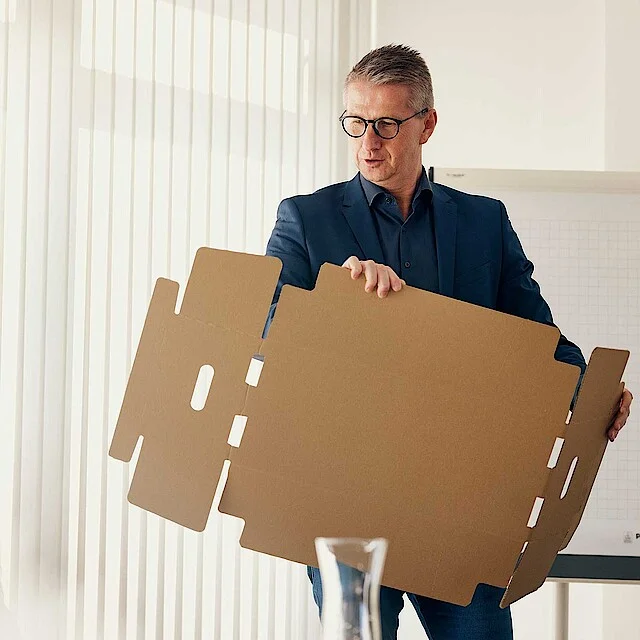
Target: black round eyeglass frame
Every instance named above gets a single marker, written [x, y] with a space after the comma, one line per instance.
[344, 118]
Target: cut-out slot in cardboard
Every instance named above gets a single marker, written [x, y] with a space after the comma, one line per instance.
[567, 482]
[535, 512]
[320, 457]
[202, 387]
[555, 453]
[524, 548]
[237, 430]
[222, 483]
[254, 371]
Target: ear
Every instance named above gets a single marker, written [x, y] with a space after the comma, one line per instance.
[429, 121]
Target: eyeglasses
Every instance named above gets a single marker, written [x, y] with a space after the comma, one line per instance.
[386, 128]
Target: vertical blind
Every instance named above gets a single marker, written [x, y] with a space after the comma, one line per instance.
[132, 133]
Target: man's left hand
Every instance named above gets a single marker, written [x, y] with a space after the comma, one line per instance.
[623, 414]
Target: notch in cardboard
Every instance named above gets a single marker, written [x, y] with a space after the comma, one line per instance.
[422, 419]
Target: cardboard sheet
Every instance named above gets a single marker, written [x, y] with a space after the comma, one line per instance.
[418, 418]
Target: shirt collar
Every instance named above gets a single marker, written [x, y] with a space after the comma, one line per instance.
[371, 190]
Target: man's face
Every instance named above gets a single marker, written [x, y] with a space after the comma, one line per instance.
[393, 164]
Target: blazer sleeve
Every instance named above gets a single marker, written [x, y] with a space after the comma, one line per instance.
[519, 294]
[288, 243]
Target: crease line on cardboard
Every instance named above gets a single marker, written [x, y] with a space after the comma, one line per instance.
[243, 412]
[207, 323]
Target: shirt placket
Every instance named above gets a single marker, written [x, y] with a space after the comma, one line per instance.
[406, 253]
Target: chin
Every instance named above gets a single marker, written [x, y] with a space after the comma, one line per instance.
[374, 174]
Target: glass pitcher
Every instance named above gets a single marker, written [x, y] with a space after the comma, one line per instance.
[351, 571]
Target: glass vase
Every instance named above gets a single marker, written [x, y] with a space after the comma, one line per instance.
[351, 571]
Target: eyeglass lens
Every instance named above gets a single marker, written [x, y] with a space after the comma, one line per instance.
[356, 127]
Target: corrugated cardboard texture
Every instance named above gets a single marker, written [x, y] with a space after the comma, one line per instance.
[596, 406]
[220, 324]
[417, 418]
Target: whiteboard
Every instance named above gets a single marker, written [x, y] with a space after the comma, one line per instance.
[581, 230]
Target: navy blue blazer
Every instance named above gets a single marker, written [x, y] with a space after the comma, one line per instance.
[480, 259]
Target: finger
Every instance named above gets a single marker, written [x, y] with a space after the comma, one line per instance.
[621, 419]
[625, 401]
[396, 282]
[384, 282]
[354, 264]
[371, 275]
[625, 408]
[347, 263]
[618, 423]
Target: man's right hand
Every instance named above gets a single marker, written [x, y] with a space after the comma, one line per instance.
[377, 276]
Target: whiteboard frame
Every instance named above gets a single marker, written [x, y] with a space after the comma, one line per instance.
[538, 180]
[567, 567]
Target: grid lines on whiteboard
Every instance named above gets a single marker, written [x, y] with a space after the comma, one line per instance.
[588, 266]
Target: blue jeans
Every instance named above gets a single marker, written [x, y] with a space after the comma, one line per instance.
[481, 620]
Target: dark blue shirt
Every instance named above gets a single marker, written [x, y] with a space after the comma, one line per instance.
[408, 246]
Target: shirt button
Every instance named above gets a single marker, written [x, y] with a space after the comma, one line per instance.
[388, 200]
[407, 264]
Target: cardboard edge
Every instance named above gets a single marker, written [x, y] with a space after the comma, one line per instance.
[541, 550]
[128, 436]
[124, 442]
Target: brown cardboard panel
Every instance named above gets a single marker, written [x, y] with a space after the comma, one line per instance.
[533, 568]
[586, 440]
[419, 418]
[183, 450]
[596, 447]
[416, 413]
[232, 290]
[306, 511]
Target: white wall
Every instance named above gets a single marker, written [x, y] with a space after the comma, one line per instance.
[545, 85]
[622, 107]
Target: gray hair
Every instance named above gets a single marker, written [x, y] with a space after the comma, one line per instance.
[396, 64]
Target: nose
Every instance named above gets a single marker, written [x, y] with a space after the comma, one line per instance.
[371, 140]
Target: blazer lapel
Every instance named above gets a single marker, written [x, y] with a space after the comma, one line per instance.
[445, 217]
[356, 210]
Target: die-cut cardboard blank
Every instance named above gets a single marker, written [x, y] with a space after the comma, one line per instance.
[418, 418]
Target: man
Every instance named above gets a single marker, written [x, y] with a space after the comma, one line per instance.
[392, 226]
